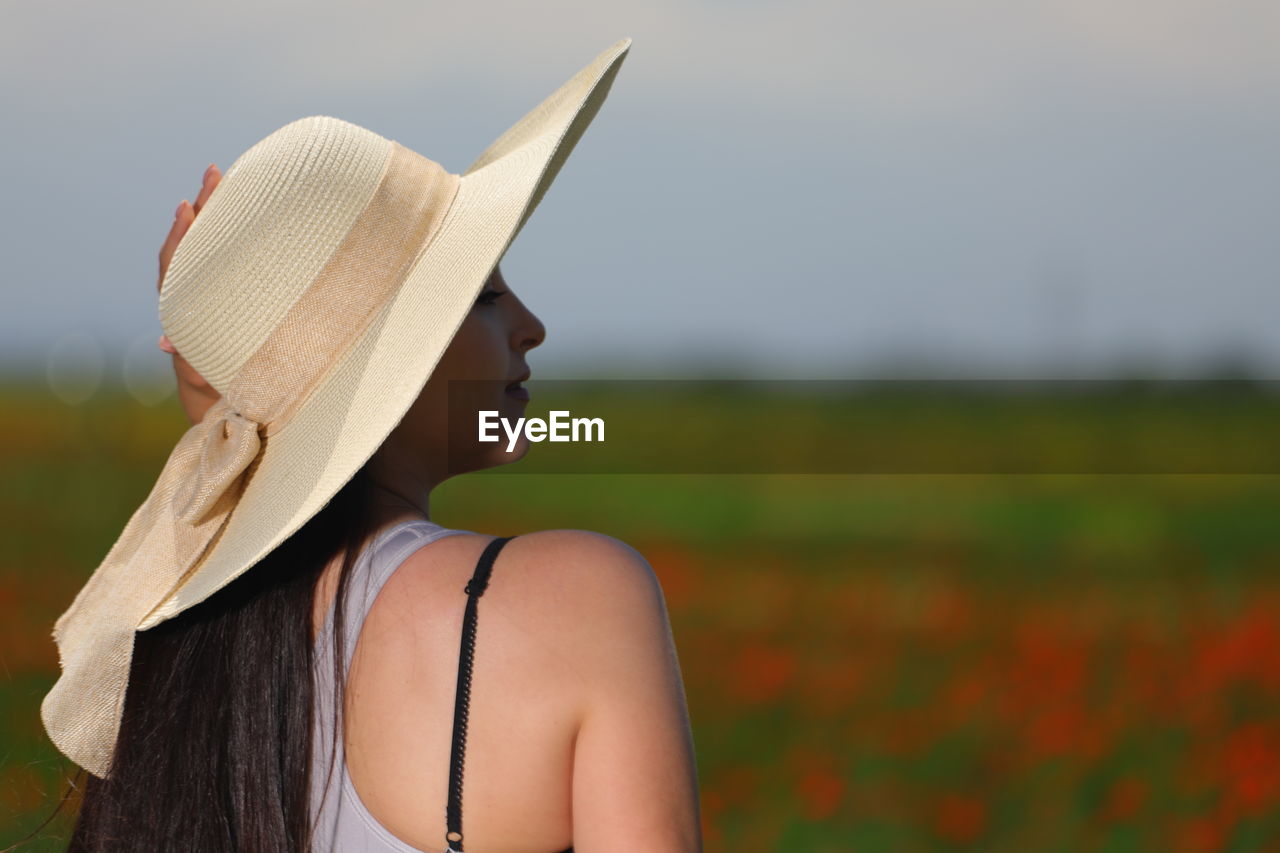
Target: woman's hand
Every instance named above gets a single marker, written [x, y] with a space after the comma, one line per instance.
[196, 394]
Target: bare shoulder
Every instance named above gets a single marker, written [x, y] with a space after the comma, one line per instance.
[559, 584]
[566, 550]
[581, 609]
[606, 584]
[634, 772]
[593, 562]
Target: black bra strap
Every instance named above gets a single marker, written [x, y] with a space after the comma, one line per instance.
[474, 589]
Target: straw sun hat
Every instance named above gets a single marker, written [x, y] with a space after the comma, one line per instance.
[316, 291]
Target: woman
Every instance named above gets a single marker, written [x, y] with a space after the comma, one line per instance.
[573, 720]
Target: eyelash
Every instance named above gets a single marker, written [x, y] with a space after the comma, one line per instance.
[489, 296]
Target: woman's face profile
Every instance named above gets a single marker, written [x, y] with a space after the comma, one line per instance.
[440, 432]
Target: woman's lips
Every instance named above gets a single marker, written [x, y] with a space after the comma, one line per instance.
[516, 391]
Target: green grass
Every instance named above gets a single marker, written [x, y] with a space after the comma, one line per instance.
[981, 661]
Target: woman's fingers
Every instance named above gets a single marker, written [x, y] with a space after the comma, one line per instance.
[171, 241]
[196, 394]
[184, 216]
[209, 181]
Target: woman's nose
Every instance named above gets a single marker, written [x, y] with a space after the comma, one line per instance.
[529, 332]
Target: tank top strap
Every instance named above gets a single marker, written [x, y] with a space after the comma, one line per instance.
[474, 589]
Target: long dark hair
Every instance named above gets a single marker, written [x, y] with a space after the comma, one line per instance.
[214, 749]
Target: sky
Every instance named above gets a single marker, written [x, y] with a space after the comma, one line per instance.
[806, 189]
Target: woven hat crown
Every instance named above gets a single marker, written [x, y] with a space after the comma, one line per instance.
[307, 238]
[265, 235]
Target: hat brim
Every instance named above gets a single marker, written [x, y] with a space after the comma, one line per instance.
[351, 411]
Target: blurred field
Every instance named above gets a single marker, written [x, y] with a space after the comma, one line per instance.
[873, 663]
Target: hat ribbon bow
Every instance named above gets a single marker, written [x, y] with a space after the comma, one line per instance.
[228, 442]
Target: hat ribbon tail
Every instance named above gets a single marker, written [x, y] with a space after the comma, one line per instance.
[161, 545]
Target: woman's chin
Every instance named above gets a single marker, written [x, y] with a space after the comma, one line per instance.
[487, 457]
[496, 456]
[501, 456]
